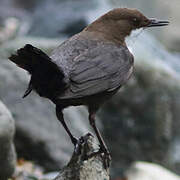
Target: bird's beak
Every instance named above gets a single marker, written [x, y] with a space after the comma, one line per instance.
[155, 23]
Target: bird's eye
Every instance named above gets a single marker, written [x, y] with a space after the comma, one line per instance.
[136, 22]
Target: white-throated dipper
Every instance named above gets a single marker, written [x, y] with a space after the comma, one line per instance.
[88, 68]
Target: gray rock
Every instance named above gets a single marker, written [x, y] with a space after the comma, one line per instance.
[149, 171]
[48, 18]
[50, 175]
[51, 18]
[83, 167]
[47, 45]
[7, 151]
[9, 29]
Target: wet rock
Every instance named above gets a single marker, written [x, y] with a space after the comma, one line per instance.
[28, 6]
[83, 167]
[9, 29]
[72, 29]
[51, 18]
[7, 151]
[46, 44]
[149, 171]
[48, 18]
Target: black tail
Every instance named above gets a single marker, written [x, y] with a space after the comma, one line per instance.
[47, 77]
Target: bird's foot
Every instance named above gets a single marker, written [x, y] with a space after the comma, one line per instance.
[80, 148]
[74, 140]
[77, 144]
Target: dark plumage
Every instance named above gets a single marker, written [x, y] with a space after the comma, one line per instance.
[88, 68]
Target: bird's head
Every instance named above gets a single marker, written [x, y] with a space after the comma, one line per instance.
[118, 23]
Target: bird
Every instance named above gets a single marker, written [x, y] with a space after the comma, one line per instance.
[86, 69]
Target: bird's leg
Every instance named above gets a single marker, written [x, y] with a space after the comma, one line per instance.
[60, 117]
[103, 147]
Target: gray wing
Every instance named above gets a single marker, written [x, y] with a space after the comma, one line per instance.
[103, 68]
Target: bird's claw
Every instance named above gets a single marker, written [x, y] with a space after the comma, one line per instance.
[104, 153]
[74, 141]
[106, 157]
[106, 160]
[77, 144]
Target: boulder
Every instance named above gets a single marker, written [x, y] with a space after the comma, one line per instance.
[84, 164]
[48, 18]
[7, 151]
[149, 171]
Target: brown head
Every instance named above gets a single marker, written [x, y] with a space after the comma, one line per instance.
[118, 23]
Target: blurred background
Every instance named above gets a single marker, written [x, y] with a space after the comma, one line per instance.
[141, 123]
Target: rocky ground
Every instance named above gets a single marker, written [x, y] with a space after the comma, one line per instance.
[7, 151]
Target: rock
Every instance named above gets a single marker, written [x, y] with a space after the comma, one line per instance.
[7, 151]
[61, 17]
[50, 175]
[9, 30]
[82, 167]
[46, 44]
[48, 143]
[149, 171]
[48, 18]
